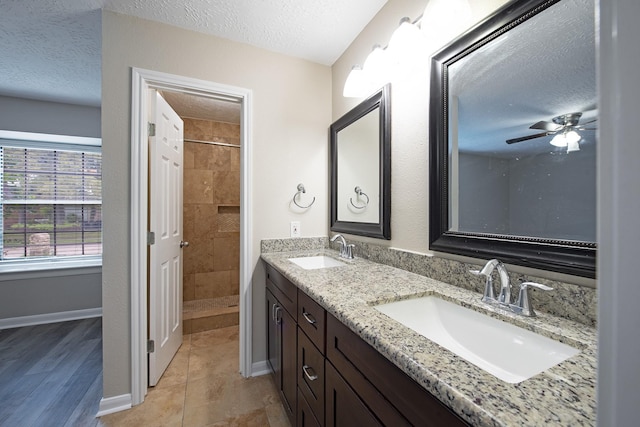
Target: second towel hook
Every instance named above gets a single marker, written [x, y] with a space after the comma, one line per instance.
[359, 193]
[302, 190]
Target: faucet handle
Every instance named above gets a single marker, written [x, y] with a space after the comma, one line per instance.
[523, 304]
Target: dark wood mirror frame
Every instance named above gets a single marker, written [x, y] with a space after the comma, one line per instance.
[382, 229]
[569, 257]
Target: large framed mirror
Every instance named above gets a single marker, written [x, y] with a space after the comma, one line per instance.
[360, 144]
[513, 138]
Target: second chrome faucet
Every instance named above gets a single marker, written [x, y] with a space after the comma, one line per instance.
[522, 305]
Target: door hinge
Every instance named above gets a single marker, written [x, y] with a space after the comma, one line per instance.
[151, 127]
[151, 238]
[151, 346]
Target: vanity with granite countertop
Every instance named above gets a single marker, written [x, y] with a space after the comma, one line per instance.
[347, 294]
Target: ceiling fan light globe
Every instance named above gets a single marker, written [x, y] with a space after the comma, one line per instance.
[573, 146]
[560, 140]
[572, 137]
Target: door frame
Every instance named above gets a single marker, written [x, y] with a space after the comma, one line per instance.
[141, 81]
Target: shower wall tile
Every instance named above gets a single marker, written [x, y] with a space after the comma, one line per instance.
[212, 284]
[226, 254]
[212, 157]
[211, 186]
[189, 287]
[227, 189]
[188, 161]
[198, 186]
[200, 130]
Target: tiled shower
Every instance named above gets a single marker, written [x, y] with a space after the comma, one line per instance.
[211, 218]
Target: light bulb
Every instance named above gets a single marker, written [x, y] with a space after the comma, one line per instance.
[377, 67]
[573, 145]
[356, 85]
[443, 20]
[573, 137]
[406, 41]
[560, 140]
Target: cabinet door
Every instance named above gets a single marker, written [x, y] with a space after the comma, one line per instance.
[273, 339]
[343, 406]
[288, 352]
[306, 417]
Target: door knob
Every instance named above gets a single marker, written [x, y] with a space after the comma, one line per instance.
[184, 244]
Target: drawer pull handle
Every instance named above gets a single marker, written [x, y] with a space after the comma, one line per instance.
[312, 376]
[309, 317]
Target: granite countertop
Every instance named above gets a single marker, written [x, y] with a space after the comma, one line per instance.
[564, 395]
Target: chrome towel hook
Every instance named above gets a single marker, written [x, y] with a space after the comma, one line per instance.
[300, 191]
[359, 193]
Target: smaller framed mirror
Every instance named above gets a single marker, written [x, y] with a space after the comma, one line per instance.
[360, 144]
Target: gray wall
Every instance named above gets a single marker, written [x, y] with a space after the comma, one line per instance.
[53, 294]
[31, 294]
[543, 195]
[27, 115]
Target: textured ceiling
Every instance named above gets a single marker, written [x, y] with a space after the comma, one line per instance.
[50, 50]
[542, 68]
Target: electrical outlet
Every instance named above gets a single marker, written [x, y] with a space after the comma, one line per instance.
[295, 229]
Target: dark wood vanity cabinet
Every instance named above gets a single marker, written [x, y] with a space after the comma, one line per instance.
[329, 376]
[282, 338]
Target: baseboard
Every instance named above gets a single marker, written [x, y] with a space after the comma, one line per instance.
[41, 319]
[260, 368]
[113, 404]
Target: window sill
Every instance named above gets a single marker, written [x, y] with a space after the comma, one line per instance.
[34, 269]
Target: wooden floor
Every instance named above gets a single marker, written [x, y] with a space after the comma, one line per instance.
[51, 375]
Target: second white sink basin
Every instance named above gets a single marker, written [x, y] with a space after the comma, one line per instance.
[504, 350]
[315, 262]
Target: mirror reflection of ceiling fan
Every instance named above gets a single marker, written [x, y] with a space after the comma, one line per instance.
[565, 128]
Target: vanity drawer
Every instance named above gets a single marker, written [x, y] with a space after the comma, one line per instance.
[311, 375]
[285, 291]
[312, 319]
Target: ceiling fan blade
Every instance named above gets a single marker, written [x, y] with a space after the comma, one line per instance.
[525, 138]
[590, 121]
[546, 126]
[584, 128]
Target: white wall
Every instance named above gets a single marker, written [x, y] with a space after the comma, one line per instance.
[291, 116]
[409, 117]
[34, 294]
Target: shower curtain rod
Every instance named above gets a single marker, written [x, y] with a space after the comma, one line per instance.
[224, 144]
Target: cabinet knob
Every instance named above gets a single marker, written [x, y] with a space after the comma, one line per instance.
[184, 244]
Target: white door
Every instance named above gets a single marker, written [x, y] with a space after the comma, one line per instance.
[165, 221]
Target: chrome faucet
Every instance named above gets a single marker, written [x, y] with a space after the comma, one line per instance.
[504, 296]
[523, 305]
[346, 251]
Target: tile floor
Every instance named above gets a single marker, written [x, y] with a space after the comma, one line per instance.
[202, 387]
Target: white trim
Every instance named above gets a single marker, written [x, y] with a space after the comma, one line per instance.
[42, 319]
[260, 368]
[113, 404]
[52, 267]
[50, 138]
[142, 80]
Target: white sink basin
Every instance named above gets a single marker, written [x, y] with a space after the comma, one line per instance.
[315, 262]
[504, 350]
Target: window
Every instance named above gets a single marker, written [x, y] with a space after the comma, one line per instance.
[50, 199]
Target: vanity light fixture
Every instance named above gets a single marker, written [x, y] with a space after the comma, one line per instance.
[379, 65]
[442, 20]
